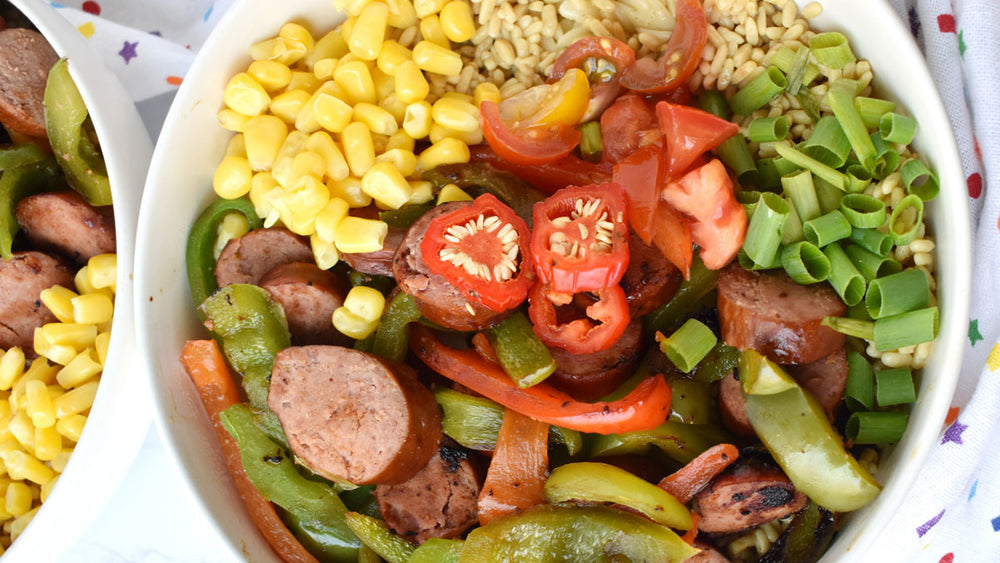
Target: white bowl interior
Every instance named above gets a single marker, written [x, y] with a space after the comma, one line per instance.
[120, 417]
[191, 145]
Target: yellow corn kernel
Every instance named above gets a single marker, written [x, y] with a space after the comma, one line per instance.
[297, 33]
[352, 7]
[379, 142]
[18, 524]
[95, 308]
[279, 49]
[332, 113]
[421, 192]
[330, 217]
[48, 443]
[302, 80]
[264, 135]
[59, 300]
[103, 270]
[349, 190]
[323, 69]
[352, 58]
[59, 354]
[431, 30]
[400, 140]
[71, 427]
[439, 132]
[486, 91]
[425, 8]
[21, 466]
[411, 84]
[301, 204]
[233, 225]
[371, 24]
[356, 80]
[417, 121]
[76, 400]
[386, 185]
[359, 316]
[272, 75]
[377, 119]
[245, 95]
[76, 336]
[18, 499]
[79, 370]
[287, 105]
[456, 21]
[7, 446]
[391, 56]
[40, 370]
[322, 143]
[82, 281]
[232, 177]
[23, 430]
[404, 161]
[330, 46]
[282, 170]
[101, 344]
[358, 148]
[39, 404]
[450, 193]
[324, 253]
[306, 121]
[395, 107]
[401, 14]
[385, 85]
[355, 234]
[11, 367]
[446, 151]
[60, 462]
[461, 96]
[236, 146]
[456, 114]
[262, 185]
[232, 120]
[432, 57]
[46, 489]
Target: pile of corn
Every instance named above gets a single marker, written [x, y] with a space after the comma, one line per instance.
[325, 125]
[47, 400]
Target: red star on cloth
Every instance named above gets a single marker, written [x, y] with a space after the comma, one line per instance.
[946, 23]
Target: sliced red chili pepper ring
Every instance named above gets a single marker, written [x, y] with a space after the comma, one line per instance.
[580, 238]
[604, 324]
[481, 249]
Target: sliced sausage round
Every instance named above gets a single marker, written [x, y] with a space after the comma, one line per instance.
[25, 60]
[440, 501]
[246, 259]
[770, 313]
[22, 279]
[708, 554]
[650, 279]
[825, 379]
[588, 377]
[379, 262]
[309, 297]
[353, 416]
[732, 408]
[435, 298]
[64, 221]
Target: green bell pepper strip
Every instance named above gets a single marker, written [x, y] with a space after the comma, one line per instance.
[393, 331]
[65, 114]
[806, 537]
[521, 353]
[253, 329]
[200, 252]
[689, 295]
[376, 534]
[691, 401]
[479, 178]
[681, 442]
[405, 216]
[592, 482]
[794, 428]
[313, 507]
[721, 360]
[19, 182]
[19, 155]
[567, 533]
[438, 550]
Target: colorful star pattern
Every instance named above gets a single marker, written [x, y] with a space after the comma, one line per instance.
[974, 335]
[926, 526]
[954, 433]
[128, 51]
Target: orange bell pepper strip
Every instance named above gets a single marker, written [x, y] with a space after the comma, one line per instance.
[516, 477]
[645, 408]
[206, 366]
[693, 477]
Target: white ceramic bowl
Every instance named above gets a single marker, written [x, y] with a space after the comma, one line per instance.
[119, 418]
[191, 145]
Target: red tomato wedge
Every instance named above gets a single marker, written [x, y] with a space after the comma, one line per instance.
[672, 235]
[603, 325]
[629, 124]
[640, 175]
[680, 57]
[689, 132]
[549, 177]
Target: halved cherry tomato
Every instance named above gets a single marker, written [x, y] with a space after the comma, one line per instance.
[563, 102]
[640, 175]
[689, 132]
[580, 238]
[482, 250]
[718, 221]
[549, 177]
[604, 59]
[680, 58]
[526, 145]
[630, 123]
[603, 325]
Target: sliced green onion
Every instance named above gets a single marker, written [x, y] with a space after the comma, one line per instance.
[894, 387]
[827, 228]
[758, 92]
[844, 277]
[838, 179]
[873, 241]
[897, 128]
[872, 110]
[749, 264]
[831, 49]
[905, 220]
[767, 174]
[859, 393]
[805, 263]
[765, 229]
[859, 312]
[785, 167]
[897, 293]
[863, 211]
[521, 354]
[768, 129]
[714, 102]
[906, 329]
[793, 228]
[809, 104]
[871, 265]
[799, 188]
[688, 345]
[919, 181]
[735, 154]
[828, 143]
[840, 98]
[886, 157]
[749, 200]
[789, 61]
[851, 327]
[858, 179]
[591, 142]
[828, 195]
[876, 427]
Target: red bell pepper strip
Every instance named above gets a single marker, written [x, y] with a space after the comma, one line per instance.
[693, 477]
[549, 177]
[680, 57]
[520, 464]
[689, 132]
[603, 325]
[645, 408]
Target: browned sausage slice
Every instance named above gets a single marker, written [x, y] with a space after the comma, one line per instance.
[650, 279]
[588, 377]
[770, 313]
[22, 279]
[246, 259]
[378, 263]
[435, 298]
[65, 222]
[825, 379]
[438, 502]
[25, 60]
[708, 554]
[353, 416]
[309, 297]
[732, 408]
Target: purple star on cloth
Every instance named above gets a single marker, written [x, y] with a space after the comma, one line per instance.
[128, 51]
[954, 433]
[926, 526]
